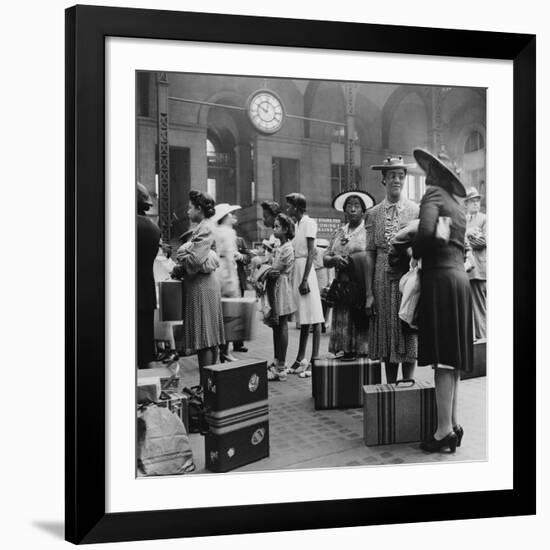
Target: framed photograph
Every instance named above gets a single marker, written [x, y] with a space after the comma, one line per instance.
[194, 116]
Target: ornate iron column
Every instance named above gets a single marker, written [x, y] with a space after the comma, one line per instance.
[350, 93]
[163, 157]
[436, 96]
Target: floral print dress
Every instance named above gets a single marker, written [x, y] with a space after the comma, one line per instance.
[389, 338]
[346, 335]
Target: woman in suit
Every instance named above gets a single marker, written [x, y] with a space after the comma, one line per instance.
[445, 339]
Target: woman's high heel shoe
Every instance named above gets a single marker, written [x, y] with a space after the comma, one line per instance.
[438, 445]
[226, 358]
[459, 431]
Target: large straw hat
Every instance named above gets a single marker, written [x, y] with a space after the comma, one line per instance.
[442, 169]
[340, 199]
[222, 210]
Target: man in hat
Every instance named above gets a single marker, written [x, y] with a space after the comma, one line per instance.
[476, 236]
[148, 239]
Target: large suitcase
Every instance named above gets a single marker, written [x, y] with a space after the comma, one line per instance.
[239, 318]
[399, 413]
[338, 384]
[234, 384]
[237, 437]
[480, 361]
[171, 300]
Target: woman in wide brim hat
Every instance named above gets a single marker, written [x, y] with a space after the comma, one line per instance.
[445, 323]
[389, 340]
[340, 200]
[222, 209]
[349, 331]
[227, 250]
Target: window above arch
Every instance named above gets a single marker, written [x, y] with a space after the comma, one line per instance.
[475, 142]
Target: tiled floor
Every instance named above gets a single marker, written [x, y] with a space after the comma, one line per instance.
[301, 437]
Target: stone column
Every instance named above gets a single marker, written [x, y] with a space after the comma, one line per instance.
[244, 174]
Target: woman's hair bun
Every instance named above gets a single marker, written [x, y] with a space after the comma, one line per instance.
[204, 201]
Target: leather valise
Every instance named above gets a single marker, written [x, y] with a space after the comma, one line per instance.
[399, 413]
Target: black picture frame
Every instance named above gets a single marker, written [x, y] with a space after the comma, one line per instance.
[87, 27]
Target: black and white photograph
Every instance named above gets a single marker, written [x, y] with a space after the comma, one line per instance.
[311, 273]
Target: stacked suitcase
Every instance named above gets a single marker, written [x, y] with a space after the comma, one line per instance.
[338, 383]
[480, 361]
[235, 397]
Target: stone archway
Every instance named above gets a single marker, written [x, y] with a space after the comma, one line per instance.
[392, 105]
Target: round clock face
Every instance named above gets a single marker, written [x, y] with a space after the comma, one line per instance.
[266, 111]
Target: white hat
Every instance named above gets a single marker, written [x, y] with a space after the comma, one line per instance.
[322, 243]
[222, 210]
[339, 200]
[267, 244]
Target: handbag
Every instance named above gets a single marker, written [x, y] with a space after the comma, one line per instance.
[409, 286]
[345, 293]
[443, 229]
[163, 443]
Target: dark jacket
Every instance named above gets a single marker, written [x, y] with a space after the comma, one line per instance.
[438, 202]
[148, 238]
[241, 269]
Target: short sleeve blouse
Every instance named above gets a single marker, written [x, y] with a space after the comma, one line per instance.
[306, 228]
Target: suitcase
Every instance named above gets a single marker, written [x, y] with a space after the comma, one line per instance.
[399, 413]
[234, 384]
[178, 403]
[238, 318]
[338, 384]
[168, 380]
[170, 300]
[237, 437]
[480, 361]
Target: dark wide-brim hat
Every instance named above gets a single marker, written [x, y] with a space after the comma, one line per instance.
[143, 197]
[392, 163]
[340, 200]
[442, 169]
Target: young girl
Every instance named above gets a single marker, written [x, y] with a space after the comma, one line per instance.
[283, 264]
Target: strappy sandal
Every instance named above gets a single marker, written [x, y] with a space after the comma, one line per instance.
[306, 373]
[298, 367]
[273, 375]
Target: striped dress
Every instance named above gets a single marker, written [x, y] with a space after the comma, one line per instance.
[202, 316]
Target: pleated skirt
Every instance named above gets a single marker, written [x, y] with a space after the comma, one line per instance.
[203, 316]
[445, 324]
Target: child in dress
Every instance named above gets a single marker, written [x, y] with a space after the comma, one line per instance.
[285, 306]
